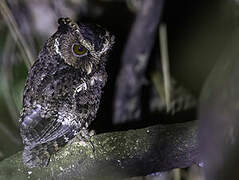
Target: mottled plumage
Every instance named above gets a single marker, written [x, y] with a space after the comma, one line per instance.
[63, 89]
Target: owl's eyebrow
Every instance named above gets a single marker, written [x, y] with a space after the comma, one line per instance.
[107, 44]
[67, 22]
[56, 45]
[87, 44]
[82, 40]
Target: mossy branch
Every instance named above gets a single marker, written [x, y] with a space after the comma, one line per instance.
[116, 155]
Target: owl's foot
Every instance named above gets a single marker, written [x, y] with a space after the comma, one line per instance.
[85, 135]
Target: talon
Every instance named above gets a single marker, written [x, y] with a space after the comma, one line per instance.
[85, 135]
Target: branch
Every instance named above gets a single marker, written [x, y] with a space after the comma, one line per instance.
[218, 115]
[134, 61]
[116, 155]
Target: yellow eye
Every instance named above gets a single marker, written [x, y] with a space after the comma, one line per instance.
[79, 50]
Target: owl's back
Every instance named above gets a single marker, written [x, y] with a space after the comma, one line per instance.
[63, 90]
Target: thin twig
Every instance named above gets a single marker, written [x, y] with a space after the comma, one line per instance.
[176, 174]
[165, 65]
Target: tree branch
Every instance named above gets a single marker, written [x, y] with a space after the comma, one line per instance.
[134, 62]
[116, 155]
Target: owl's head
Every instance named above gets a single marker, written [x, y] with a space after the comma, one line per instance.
[82, 46]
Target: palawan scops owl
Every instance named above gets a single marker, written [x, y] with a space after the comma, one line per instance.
[63, 89]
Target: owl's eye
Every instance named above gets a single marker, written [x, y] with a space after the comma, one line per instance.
[79, 50]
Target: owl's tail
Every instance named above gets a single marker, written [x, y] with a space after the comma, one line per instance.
[38, 155]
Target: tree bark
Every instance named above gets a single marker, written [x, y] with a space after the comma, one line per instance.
[116, 155]
[127, 106]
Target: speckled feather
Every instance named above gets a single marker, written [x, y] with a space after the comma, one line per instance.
[63, 91]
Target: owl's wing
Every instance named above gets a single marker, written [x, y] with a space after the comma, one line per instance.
[43, 137]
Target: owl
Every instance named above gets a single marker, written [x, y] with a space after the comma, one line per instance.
[63, 89]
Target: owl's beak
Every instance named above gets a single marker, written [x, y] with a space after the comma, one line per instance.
[89, 68]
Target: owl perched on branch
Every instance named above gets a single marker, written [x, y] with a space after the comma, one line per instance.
[63, 89]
